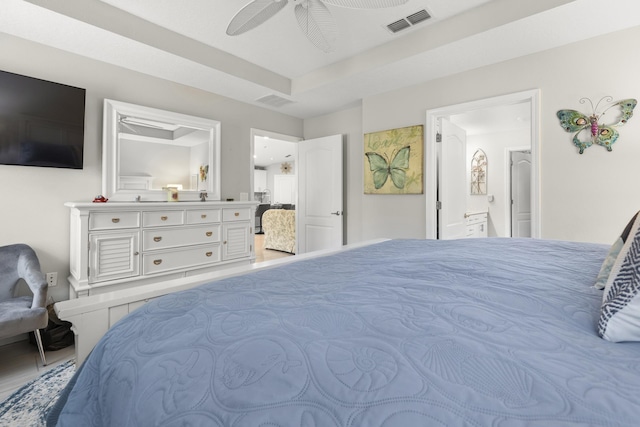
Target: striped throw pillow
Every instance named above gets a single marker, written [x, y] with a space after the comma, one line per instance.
[620, 312]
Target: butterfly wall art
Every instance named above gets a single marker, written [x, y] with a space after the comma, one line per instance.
[598, 133]
[393, 161]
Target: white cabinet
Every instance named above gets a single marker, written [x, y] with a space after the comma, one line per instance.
[476, 224]
[120, 245]
[237, 233]
[113, 255]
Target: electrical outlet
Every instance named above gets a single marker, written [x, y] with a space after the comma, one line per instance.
[52, 279]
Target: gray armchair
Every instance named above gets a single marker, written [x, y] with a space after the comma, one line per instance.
[22, 314]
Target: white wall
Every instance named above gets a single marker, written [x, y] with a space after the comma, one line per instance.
[32, 208]
[588, 197]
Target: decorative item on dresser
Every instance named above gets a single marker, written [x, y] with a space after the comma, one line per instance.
[120, 245]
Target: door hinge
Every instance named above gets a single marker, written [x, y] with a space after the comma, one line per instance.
[88, 271]
[438, 137]
[438, 205]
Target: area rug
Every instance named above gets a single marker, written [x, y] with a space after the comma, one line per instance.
[28, 407]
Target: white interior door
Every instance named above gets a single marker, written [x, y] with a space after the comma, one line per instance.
[452, 181]
[521, 194]
[320, 215]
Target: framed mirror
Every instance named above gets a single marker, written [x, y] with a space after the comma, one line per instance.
[146, 151]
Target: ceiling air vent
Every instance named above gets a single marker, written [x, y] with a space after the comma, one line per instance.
[413, 19]
[418, 17]
[274, 100]
[400, 25]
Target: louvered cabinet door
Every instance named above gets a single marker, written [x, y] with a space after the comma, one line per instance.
[113, 255]
[237, 240]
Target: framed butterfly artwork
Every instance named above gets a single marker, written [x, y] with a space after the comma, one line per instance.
[591, 129]
[393, 161]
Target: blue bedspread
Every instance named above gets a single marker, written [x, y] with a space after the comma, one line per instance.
[479, 332]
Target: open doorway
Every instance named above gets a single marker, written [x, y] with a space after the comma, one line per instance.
[274, 179]
[316, 192]
[497, 195]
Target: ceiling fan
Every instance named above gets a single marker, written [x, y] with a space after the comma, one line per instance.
[313, 17]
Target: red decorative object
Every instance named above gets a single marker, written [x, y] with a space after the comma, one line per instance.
[100, 199]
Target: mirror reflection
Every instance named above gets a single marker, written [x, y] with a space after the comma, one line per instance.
[155, 155]
[148, 152]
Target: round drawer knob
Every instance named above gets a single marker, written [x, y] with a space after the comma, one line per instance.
[237, 214]
[164, 218]
[209, 233]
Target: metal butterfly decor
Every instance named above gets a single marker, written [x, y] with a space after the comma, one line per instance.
[605, 135]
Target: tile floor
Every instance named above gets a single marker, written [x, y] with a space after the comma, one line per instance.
[20, 363]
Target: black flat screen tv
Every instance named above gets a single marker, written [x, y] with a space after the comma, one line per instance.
[41, 122]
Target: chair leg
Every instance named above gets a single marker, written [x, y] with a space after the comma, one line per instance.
[40, 347]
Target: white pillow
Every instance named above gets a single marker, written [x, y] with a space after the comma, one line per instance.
[620, 312]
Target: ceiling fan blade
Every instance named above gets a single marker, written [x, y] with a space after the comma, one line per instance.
[316, 22]
[366, 4]
[254, 14]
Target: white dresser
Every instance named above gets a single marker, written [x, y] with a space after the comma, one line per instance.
[476, 224]
[121, 244]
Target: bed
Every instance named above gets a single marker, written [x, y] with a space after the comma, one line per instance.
[476, 332]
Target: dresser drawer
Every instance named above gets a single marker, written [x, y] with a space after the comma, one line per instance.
[180, 259]
[162, 218]
[113, 220]
[203, 216]
[161, 238]
[241, 214]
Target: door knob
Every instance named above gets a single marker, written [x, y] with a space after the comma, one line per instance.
[338, 213]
